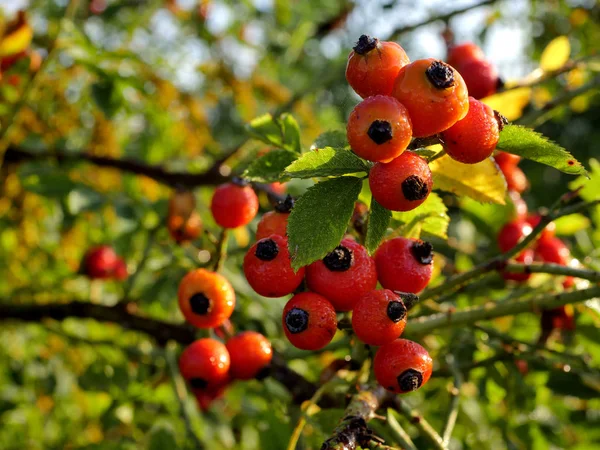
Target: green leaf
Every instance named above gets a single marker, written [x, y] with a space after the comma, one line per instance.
[162, 437]
[319, 219]
[379, 219]
[282, 132]
[532, 145]
[571, 224]
[430, 217]
[332, 138]
[590, 186]
[326, 162]
[270, 167]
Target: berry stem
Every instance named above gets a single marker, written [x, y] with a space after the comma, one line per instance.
[453, 283]
[454, 400]
[399, 433]
[422, 425]
[221, 251]
[469, 316]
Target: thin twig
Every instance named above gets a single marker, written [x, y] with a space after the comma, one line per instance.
[399, 433]
[422, 425]
[554, 269]
[181, 394]
[454, 400]
[133, 277]
[221, 251]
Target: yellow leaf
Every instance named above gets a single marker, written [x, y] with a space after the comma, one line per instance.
[556, 54]
[510, 103]
[482, 181]
[17, 41]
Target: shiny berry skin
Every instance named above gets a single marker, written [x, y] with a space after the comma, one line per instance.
[402, 184]
[474, 138]
[268, 268]
[379, 317]
[205, 397]
[373, 66]
[250, 353]
[206, 298]
[525, 257]
[548, 231]
[404, 264]
[275, 222]
[185, 229]
[233, 206]
[344, 275]
[462, 53]
[205, 363]
[309, 321]
[379, 128]
[553, 250]
[481, 77]
[512, 233]
[100, 262]
[402, 366]
[434, 94]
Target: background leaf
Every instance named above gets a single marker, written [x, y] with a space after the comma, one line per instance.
[379, 219]
[270, 167]
[482, 181]
[332, 138]
[282, 132]
[532, 145]
[430, 217]
[319, 219]
[326, 162]
[556, 54]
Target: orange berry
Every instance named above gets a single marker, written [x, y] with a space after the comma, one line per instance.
[461, 53]
[434, 93]
[204, 364]
[402, 366]
[481, 77]
[206, 298]
[250, 354]
[309, 321]
[234, 205]
[379, 128]
[373, 66]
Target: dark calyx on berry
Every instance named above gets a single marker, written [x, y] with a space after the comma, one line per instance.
[200, 304]
[267, 250]
[286, 205]
[339, 260]
[414, 188]
[423, 252]
[240, 181]
[502, 120]
[440, 74]
[410, 380]
[296, 320]
[198, 383]
[408, 298]
[365, 44]
[396, 311]
[380, 131]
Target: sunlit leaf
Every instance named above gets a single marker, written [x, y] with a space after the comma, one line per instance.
[556, 54]
[510, 103]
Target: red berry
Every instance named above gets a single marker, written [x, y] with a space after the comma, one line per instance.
[373, 66]
[434, 94]
[100, 262]
[474, 138]
[120, 270]
[481, 77]
[205, 363]
[233, 205]
[557, 319]
[250, 354]
[548, 231]
[206, 298]
[379, 317]
[402, 366]
[512, 233]
[309, 321]
[268, 268]
[205, 397]
[461, 53]
[404, 265]
[506, 159]
[515, 178]
[278, 188]
[402, 184]
[379, 128]
[525, 257]
[275, 222]
[553, 250]
[344, 275]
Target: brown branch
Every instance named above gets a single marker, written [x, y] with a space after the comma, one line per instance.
[353, 432]
[173, 179]
[125, 314]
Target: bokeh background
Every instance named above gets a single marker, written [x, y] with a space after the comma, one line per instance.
[172, 83]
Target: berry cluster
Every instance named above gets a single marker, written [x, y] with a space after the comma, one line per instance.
[103, 263]
[207, 300]
[479, 74]
[404, 100]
